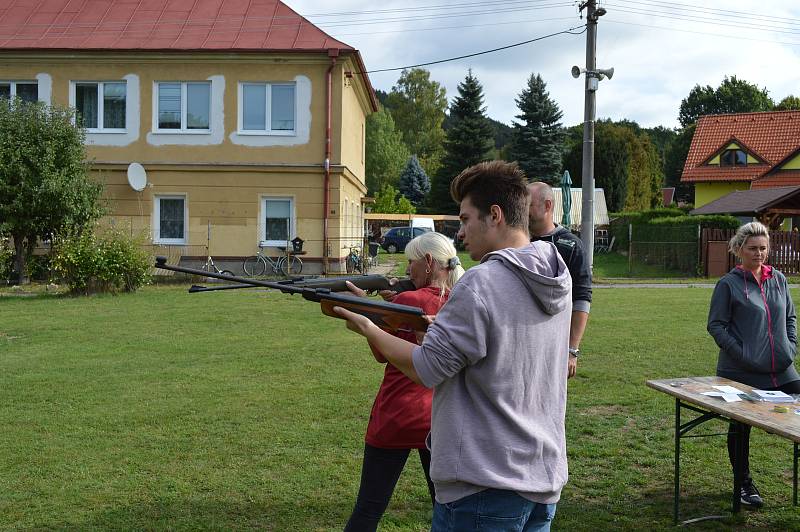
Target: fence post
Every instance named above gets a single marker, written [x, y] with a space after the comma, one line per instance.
[699, 253]
[630, 249]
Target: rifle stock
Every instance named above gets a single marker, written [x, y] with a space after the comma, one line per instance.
[390, 316]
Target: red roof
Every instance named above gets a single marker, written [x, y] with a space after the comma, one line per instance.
[770, 136]
[239, 25]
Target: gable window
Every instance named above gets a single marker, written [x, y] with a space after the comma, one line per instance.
[27, 91]
[276, 221]
[733, 158]
[170, 219]
[101, 105]
[267, 108]
[183, 107]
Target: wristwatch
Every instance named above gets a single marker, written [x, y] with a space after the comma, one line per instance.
[574, 352]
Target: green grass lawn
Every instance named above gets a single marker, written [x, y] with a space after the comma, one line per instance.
[161, 410]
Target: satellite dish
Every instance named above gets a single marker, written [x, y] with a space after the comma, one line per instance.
[137, 177]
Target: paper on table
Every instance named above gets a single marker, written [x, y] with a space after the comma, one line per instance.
[728, 389]
[729, 397]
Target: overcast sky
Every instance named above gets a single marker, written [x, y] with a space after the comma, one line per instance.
[659, 50]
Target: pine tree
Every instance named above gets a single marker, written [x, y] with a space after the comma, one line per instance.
[414, 182]
[537, 140]
[470, 140]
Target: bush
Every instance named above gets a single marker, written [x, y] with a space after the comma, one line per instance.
[111, 262]
[707, 221]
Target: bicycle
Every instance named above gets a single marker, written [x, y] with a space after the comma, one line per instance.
[356, 261]
[286, 265]
[210, 267]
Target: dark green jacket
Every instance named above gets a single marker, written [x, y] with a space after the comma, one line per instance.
[755, 328]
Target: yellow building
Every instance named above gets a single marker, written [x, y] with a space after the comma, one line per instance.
[246, 123]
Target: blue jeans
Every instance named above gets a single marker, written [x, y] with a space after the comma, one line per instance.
[493, 510]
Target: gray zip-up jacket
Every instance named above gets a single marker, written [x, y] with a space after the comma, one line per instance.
[755, 328]
[494, 357]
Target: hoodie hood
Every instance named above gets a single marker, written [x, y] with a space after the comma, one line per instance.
[543, 272]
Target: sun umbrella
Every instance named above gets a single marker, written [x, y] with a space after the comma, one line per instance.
[566, 198]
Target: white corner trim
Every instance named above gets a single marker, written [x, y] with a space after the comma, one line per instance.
[217, 117]
[302, 124]
[132, 110]
[45, 83]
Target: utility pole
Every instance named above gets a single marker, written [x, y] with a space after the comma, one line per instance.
[593, 76]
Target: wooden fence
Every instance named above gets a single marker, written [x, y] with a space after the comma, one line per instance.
[784, 253]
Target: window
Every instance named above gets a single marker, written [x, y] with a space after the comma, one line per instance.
[183, 106]
[267, 108]
[733, 158]
[276, 215]
[170, 218]
[27, 91]
[101, 105]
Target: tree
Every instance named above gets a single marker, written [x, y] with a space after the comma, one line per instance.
[414, 182]
[45, 191]
[389, 201]
[385, 151]
[790, 103]
[537, 138]
[626, 165]
[418, 107]
[674, 161]
[470, 140]
[732, 96]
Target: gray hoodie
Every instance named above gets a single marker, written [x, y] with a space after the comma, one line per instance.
[496, 357]
[755, 328]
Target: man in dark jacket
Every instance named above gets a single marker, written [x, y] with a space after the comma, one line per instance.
[541, 227]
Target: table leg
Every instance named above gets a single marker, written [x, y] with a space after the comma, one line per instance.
[794, 478]
[676, 500]
[738, 473]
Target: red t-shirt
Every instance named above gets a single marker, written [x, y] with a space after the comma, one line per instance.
[401, 414]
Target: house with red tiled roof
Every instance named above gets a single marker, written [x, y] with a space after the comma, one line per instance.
[234, 118]
[742, 151]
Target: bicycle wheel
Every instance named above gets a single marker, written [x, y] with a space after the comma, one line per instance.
[291, 267]
[253, 266]
[350, 264]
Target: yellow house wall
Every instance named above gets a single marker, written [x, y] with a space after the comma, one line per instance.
[707, 192]
[222, 177]
[792, 164]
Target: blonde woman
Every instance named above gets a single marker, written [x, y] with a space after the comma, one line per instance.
[752, 320]
[401, 414]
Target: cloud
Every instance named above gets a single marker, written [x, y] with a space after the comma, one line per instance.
[660, 51]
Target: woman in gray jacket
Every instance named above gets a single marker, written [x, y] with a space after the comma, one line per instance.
[753, 322]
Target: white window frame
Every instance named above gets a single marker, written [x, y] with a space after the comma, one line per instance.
[268, 109]
[13, 84]
[100, 104]
[157, 219]
[184, 130]
[262, 221]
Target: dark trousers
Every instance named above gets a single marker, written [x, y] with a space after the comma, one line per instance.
[379, 474]
[791, 388]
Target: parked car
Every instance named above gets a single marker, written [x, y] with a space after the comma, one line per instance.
[396, 238]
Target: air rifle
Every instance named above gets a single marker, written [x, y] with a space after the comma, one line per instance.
[389, 316]
[368, 283]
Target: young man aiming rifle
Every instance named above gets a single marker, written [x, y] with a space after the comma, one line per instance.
[494, 356]
[542, 227]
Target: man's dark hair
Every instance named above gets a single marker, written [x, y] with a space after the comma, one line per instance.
[495, 183]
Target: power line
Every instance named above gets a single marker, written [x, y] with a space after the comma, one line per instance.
[702, 20]
[714, 11]
[570, 31]
[459, 27]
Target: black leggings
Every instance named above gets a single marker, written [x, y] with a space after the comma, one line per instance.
[379, 474]
[791, 388]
